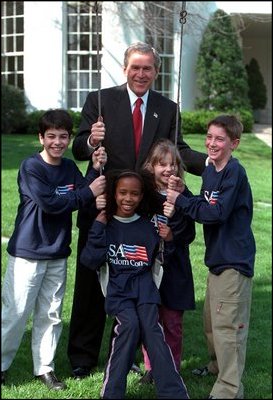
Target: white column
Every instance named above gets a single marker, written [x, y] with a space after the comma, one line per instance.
[120, 28]
[43, 53]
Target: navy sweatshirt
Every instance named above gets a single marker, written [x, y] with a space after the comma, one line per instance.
[177, 286]
[225, 208]
[129, 245]
[48, 196]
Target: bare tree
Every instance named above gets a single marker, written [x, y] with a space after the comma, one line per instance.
[162, 18]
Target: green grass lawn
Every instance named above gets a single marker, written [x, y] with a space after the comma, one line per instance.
[255, 156]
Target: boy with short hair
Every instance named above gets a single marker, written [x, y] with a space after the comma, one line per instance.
[225, 208]
[51, 188]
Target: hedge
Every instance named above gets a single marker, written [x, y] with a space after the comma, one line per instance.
[192, 121]
[196, 121]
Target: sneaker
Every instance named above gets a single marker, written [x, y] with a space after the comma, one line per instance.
[147, 378]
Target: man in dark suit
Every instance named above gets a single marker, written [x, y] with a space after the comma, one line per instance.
[115, 130]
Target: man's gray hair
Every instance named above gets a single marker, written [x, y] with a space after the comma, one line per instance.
[143, 48]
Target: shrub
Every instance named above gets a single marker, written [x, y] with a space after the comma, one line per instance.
[13, 110]
[196, 121]
[247, 120]
[76, 117]
[33, 121]
[257, 88]
[221, 73]
[192, 121]
[34, 116]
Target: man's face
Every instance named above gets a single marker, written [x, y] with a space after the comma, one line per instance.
[140, 72]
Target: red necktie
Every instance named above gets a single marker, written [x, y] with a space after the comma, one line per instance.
[137, 121]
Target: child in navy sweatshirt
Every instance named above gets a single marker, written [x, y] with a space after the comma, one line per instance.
[225, 209]
[177, 287]
[124, 237]
[51, 188]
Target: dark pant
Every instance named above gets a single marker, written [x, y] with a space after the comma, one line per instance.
[132, 324]
[88, 315]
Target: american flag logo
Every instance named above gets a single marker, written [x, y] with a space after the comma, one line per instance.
[162, 219]
[214, 197]
[64, 189]
[133, 252]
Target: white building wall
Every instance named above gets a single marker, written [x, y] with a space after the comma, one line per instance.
[198, 14]
[121, 27]
[117, 35]
[45, 38]
[43, 53]
[44, 49]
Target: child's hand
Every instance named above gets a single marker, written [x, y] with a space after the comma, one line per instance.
[172, 196]
[98, 185]
[165, 232]
[176, 183]
[99, 158]
[101, 217]
[168, 209]
[101, 202]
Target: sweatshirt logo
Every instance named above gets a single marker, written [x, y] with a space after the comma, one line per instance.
[162, 219]
[211, 198]
[64, 189]
[159, 218]
[134, 252]
[128, 255]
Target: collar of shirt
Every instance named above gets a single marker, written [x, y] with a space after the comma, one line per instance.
[133, 98]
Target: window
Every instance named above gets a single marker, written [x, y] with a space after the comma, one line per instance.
[159, 32]
[83, 46]
[12, 43]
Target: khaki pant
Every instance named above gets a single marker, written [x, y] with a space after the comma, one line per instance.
[226, 324]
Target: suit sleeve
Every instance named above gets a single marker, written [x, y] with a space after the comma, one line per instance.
[89, 116]
[194, 161]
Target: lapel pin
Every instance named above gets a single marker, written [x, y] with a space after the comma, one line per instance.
[155, 115]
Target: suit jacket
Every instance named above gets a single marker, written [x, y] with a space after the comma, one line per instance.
[160, 122]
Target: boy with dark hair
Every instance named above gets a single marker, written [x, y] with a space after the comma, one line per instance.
[51, 188]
